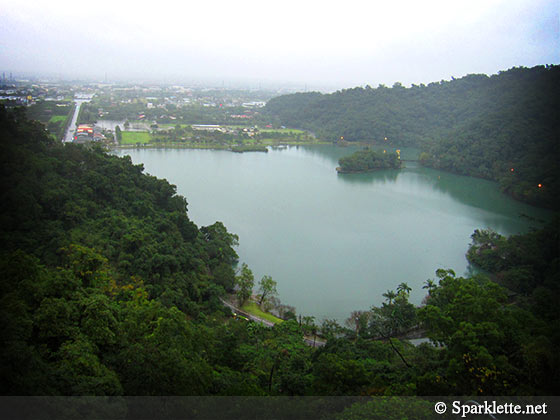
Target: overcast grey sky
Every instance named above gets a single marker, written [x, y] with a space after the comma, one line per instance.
[343, 43]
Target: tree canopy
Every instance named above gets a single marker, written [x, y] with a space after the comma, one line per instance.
[108, 288]
[367, 161]
[503, 127]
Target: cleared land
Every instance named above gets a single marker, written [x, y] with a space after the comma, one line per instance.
[134, 137]
[253, 309]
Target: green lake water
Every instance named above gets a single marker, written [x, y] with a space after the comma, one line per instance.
[336, 242]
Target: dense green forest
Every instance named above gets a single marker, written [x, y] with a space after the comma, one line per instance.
[503, 127]
[108, 288]
[368, 160]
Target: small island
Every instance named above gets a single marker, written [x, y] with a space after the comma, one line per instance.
[249, 148]
[368, 160]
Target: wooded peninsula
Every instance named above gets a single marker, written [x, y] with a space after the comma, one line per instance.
[368, 161]
[502, 127]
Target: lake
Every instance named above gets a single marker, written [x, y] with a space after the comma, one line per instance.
[336, 242]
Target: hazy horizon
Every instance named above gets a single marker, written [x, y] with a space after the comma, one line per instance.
[252, 44]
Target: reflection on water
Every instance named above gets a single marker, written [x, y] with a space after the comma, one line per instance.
[472, 192]
[383, 176]
[482, 194]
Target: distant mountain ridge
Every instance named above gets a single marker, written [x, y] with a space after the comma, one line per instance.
[477, 125]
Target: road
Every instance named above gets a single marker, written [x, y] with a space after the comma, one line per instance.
[69, 136]
[247, 315]
[310, 341]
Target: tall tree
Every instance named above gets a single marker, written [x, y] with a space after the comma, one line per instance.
[245, 282]
[118, 133]
[429, 285]
[404, 289]
[389, 295]
[267, 288]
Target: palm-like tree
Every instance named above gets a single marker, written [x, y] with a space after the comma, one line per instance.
[404, 289]
[430, 285]
[389, 295]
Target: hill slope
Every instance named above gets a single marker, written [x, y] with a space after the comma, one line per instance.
[477, 125]
[102, 269]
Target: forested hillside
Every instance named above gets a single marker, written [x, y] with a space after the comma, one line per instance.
[476, 125]
[102, 270]
[108, 288]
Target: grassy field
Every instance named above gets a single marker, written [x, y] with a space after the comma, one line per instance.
[133, 137]
[57, 118]
[253, 309]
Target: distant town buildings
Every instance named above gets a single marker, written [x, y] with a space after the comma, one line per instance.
[145, 106]
[207, 127]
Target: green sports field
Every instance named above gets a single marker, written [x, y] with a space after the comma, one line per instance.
[133, 137]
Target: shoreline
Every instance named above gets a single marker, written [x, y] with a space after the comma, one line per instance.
[369, 171]
[215, 147]
[151, 146]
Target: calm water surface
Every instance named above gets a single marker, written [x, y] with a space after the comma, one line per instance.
[335, 243]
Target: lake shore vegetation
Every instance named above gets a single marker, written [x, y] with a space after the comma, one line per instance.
[368, 161]
[108, 288]
[501, 127]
